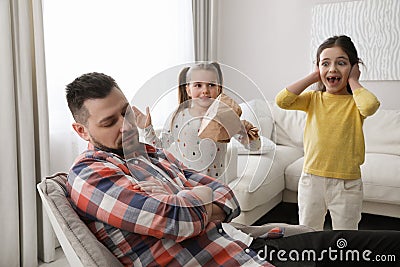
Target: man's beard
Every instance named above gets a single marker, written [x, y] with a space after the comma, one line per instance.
[119, 151]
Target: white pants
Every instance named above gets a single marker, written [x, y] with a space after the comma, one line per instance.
[343, 198]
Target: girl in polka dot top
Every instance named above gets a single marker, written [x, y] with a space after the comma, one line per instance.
[199, 85]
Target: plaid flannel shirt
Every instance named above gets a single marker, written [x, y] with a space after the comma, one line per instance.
[157, 229]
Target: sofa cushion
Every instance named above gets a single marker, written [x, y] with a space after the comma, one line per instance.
[293, 173]
[261, 177]
[382, 132]
[267, 145]
[381, 177]
[258, 112]
[289, 126]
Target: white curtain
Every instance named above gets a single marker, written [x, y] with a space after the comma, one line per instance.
[24, 135]
[205, 29]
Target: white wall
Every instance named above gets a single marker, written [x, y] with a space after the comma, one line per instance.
[269, 41]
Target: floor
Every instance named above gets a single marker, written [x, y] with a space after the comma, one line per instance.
[60, 260]
[287, 213]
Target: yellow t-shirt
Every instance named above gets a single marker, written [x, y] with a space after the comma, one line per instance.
[333, 135]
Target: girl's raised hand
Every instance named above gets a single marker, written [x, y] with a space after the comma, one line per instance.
[316, 74]
[355, 73]
[142, 120]
[299, 86]
[354, 76]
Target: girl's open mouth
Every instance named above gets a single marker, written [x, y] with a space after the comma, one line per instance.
[333, 80]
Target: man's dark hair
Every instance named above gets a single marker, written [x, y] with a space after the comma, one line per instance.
[88, 86]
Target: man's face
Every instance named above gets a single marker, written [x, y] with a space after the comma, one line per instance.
[105, 124]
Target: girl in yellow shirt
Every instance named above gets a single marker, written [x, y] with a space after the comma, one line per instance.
[333, 137]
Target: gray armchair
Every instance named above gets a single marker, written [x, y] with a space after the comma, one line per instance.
[80, 246]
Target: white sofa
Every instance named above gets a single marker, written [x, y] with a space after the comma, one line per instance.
[266, 180]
